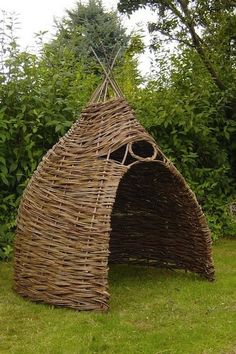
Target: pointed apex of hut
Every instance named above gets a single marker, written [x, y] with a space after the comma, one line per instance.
[109, 84]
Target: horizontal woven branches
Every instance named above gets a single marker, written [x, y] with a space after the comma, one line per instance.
[105, 193]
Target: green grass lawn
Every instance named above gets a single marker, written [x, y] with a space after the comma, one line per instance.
[151, 311]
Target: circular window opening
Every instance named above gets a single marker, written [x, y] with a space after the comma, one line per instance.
[143, 149]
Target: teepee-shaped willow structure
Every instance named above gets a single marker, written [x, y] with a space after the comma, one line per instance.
[105, 193]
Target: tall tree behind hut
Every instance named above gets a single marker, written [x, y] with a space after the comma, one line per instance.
[90, 25]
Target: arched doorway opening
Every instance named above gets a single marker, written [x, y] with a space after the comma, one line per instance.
[157, 221]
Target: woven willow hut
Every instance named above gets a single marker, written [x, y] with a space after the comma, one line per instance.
[105, 193]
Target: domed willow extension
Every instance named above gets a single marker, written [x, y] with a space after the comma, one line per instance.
[104, 194]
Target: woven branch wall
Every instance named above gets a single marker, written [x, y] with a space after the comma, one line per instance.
[105, 193]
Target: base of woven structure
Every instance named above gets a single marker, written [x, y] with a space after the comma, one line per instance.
[155, 221]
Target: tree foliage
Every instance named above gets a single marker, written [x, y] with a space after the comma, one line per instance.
[88, 26]
[207, 26]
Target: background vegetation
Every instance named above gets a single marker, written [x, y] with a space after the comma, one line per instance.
[188, 103]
